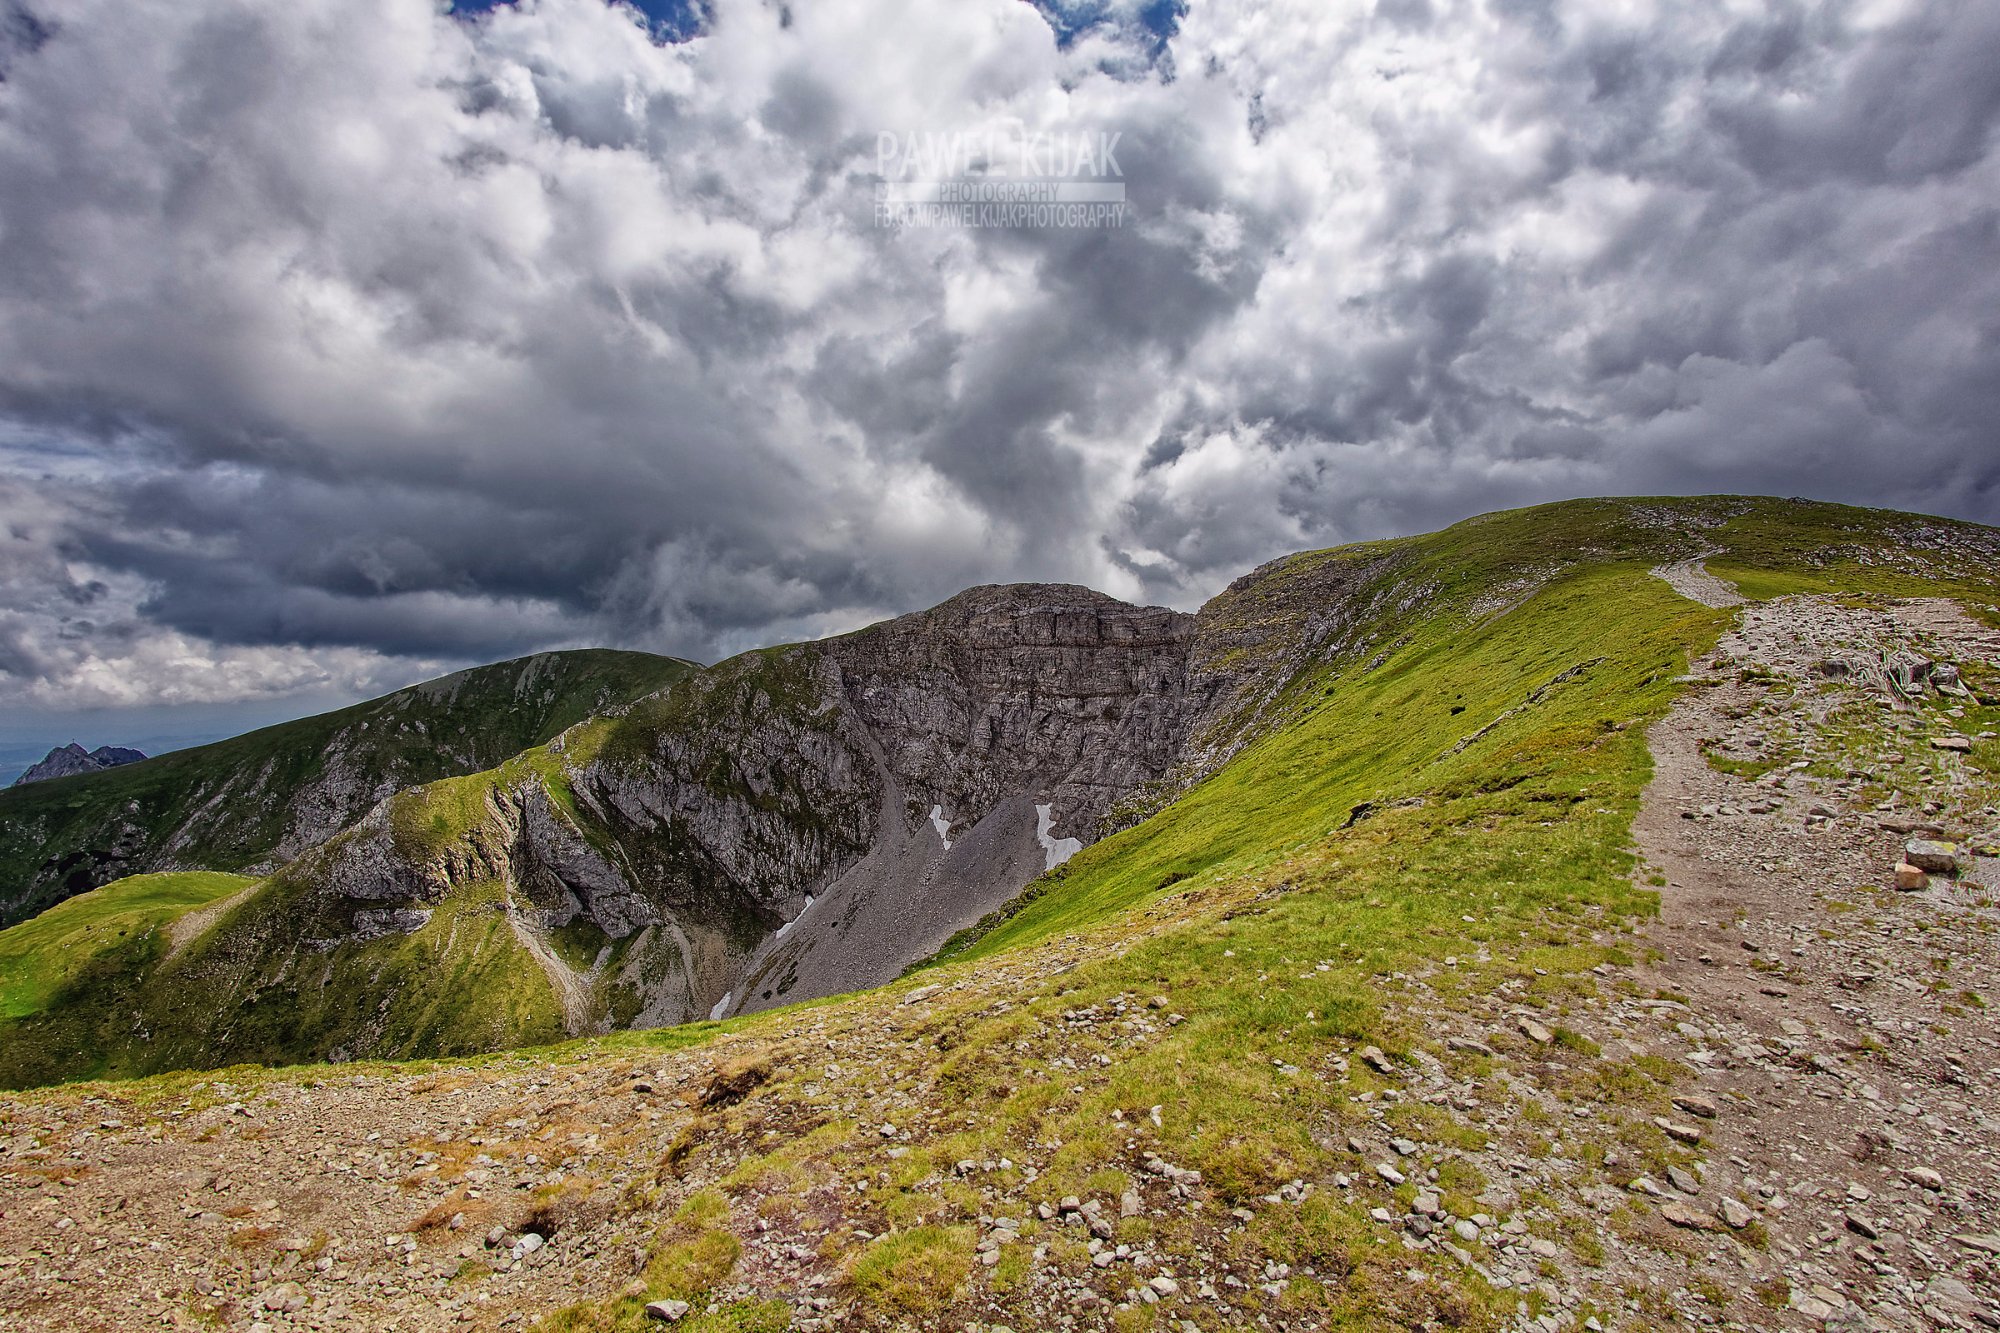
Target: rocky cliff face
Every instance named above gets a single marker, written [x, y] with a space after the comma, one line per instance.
[794, 823]
[805, 820]
[1055, 691]
[801, 821]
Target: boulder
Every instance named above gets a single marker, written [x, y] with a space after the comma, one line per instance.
[1940, 858]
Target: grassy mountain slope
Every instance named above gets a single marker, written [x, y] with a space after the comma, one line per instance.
[297, 970]
[1373, 871]
[41, 956]
[1473, 686]
[1429, 830]
[1482, 616]
[268, 794]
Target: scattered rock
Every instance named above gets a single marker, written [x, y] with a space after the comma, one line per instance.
[1678, 1132]
[1535, 1032]
[668, 1311]
[1683, 1215]
[1373, 1057]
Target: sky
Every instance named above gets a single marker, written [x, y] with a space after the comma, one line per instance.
[346, 342]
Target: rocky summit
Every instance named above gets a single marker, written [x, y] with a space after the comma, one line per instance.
[1579, 918]
[66, 761]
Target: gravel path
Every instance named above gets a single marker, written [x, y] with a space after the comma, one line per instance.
[1832, 1017]
[1691, 579]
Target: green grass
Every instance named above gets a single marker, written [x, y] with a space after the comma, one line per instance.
[1388, 737]
[916, 1273]
[1280, 943]
[42, 955]
[253, 989]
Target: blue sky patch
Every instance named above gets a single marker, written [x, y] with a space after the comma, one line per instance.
[670, 20]
[1153, 22]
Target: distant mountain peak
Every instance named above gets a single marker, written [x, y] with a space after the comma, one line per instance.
[68, 760]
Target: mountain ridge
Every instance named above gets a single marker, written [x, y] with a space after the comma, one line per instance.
[1464, 992]
[1449, 969]
[258, 799]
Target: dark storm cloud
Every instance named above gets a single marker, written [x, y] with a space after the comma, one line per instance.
[339, 341]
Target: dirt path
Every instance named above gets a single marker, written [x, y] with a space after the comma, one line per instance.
[1691, 579]
[1834, 1020]
[242, 1205]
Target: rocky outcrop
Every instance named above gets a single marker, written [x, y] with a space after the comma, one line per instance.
[1050, 690]
[810, 819]
[67, 761]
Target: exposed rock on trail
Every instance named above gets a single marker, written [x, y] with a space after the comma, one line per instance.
[1691, 579]
[1841, 1026]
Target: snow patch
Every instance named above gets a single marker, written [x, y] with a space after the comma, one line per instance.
[801, 916]
[942, 825]
[721, 1008]
[1057, 850]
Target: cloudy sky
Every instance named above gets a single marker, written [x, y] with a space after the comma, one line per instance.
[345, 341]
